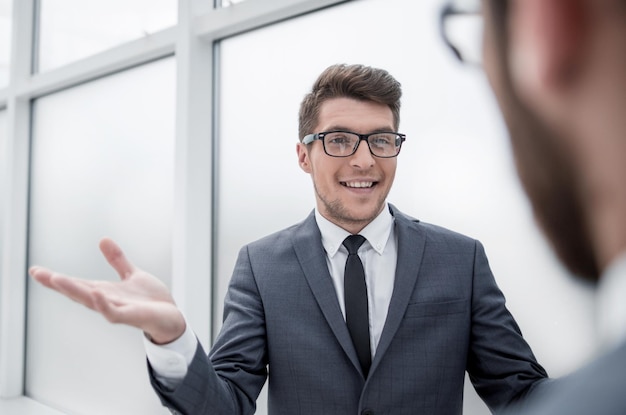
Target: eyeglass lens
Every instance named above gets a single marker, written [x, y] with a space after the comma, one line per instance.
[341, 144]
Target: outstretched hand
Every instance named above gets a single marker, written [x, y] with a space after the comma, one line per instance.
[139, 299]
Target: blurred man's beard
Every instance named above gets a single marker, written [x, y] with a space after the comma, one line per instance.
[548, 177]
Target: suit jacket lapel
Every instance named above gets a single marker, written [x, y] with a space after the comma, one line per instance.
[411, 245]
[307, 243]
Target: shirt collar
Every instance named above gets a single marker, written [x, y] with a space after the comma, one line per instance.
[610, 304]
[376, 232]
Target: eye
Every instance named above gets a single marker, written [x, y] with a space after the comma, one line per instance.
[382, 140]
[339, 139]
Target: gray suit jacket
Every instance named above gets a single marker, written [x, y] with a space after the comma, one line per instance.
[599, 388]
[282, 318]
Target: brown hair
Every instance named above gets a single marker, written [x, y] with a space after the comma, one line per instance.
[351, 81]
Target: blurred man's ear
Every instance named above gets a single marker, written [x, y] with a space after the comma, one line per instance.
[545, 38]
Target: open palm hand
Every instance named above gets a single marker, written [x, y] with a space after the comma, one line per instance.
[139, 299]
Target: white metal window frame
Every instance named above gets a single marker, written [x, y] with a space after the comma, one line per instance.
[194, 42]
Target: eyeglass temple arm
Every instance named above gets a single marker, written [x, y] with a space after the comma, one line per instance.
[309, 138]
[448, 10]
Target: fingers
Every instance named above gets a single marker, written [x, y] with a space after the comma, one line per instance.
[45, 276]
[76, 289]
[163, 321]
[41, 275]
[113, 254]
[140, 302]
[99, 296]
[116, 258]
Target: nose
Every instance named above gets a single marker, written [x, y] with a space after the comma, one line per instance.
[362, 157]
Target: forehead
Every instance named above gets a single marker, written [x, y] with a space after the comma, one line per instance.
[354, 115]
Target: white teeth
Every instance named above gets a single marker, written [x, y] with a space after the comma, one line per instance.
[359, 184]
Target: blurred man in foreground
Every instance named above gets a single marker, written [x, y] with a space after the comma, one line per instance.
[558, 69]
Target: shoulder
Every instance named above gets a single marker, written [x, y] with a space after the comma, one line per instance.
[596, 388]
[428, 230]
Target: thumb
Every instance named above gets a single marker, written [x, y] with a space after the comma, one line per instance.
[116, 258]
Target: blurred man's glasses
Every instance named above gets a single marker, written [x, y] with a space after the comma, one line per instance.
[345, 143]
[461, 27]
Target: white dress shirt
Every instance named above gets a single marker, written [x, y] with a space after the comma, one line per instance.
[378, 254]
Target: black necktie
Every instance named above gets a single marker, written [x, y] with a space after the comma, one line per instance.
[355, 292]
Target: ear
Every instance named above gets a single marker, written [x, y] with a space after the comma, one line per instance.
[545, 40]
[303, 157]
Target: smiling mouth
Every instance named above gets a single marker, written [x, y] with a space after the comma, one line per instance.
[358, 185]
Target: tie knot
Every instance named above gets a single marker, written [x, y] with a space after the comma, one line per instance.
[353, 242]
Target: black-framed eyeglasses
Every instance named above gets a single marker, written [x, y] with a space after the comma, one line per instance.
[385, 144]
[461, 28]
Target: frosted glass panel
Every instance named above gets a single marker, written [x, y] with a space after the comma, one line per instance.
[73, 29]
[3, 135]
[227, 3]
[5, 41]
[102, 165]
[455, 168]
[3, 161]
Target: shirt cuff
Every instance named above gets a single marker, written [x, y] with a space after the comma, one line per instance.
[170, 361]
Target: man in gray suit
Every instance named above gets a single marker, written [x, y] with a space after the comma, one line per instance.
[558, 68]
[431, 309]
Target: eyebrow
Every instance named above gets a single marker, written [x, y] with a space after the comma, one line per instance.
[373, 131]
